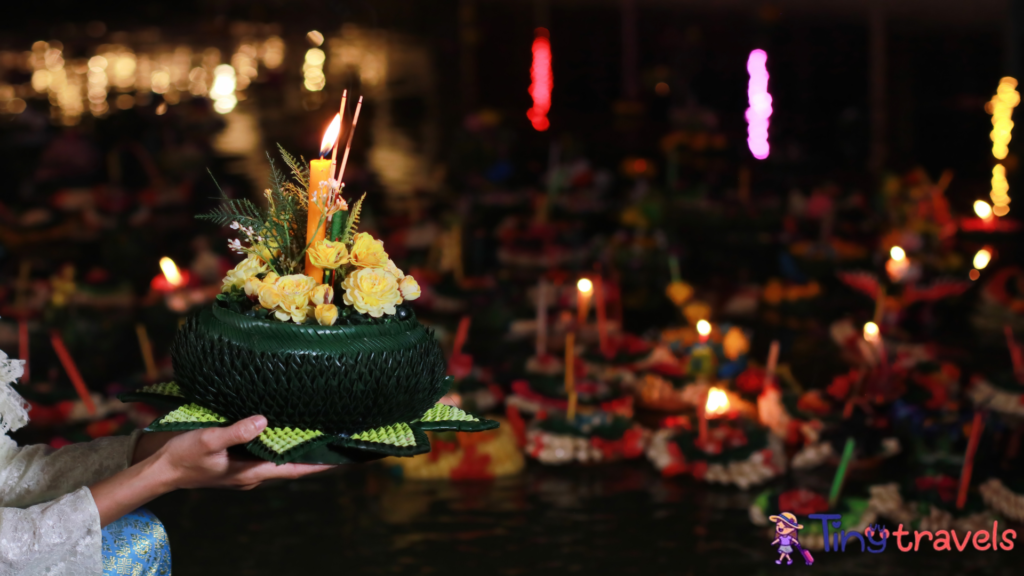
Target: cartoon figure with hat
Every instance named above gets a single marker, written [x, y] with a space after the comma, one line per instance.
[786, 527]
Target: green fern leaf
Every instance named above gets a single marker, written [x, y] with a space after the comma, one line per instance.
[353, 220]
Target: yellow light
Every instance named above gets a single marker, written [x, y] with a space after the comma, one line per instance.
[717, 403]
[315, 57]
[330, 136]
[315, 38]
[871, 331]
[974, 274]
[897, 253]
[982, 209]
[171, 273]
[98, 63]
[982, 258]
[703, 327]
[1001, 210]
[585, 285]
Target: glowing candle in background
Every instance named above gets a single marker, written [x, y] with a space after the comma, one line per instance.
[897, 265]
[541, 81]
[704, 330]
[982, 258]
[584, 290]
[760, 104]
[982, 209]
[319, 175]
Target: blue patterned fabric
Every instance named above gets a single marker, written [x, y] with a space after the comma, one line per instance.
[136, 545]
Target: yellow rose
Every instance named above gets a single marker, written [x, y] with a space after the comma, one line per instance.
[326, 314]
[269, 296]
[328, 255]
[295, 290]
[409, 288]
[252, 286]
[367, 252]
[391, 267]
[372, 291]
[245, 269]
[322, 294]
[297, 314]
[679, 292]
[270, 278]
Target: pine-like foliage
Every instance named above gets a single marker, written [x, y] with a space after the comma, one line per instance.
[353, 220]
[281, 226]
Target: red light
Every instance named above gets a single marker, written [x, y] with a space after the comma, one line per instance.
[541, 81]
[640, 166]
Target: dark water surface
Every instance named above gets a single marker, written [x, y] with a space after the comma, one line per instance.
[620, 519]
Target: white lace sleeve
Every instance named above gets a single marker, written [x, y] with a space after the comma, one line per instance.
[35, 474]
[59, 538]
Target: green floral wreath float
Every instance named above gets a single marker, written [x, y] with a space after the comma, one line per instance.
[341, 382]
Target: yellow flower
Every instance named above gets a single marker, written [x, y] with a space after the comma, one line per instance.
[326, 314]
[322, 294]
[270, 278]
[252, 286]
[268, 250]
[372, 291]
[367, 252]
[328, 255]
[679, 292]
[295, 290]
[269, 295]
[391, 267]
[409, 288]
[297, 314]
[245, 269]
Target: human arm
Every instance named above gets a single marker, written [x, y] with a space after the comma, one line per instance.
[38, 473]
[196, 459]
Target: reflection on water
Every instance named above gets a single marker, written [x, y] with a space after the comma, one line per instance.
[603, 520]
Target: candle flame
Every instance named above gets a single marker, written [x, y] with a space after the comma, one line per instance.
[982, 258]
[717, 404]
[585, 285]
[171, 273]
[982, 209]
[897, 253]
[871, 331]
[330, 136]
[704, 327]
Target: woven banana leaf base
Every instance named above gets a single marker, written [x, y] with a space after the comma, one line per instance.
[283, 445]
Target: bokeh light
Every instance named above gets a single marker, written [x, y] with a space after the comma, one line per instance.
[982, 258]
[982, 209]
[541, 81]
[760, 104]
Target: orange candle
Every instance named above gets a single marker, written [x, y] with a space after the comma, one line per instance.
[584, 290]
[319, 186]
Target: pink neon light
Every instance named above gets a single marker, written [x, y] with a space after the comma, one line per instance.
[760, 104]
[541, 81]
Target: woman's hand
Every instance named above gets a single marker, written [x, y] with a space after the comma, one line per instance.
[195, 459]
[199, 459]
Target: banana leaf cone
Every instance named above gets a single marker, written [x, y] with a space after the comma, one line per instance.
[331, 394]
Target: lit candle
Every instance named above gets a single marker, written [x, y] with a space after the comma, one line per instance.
[170, 279]
[319, 186]
[897, 265]
[716, 404]
[704, 330]
[702, 358]
[584, 290]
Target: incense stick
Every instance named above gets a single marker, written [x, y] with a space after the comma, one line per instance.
[461, 335]
[147, 351]
[69, 366]
[602, 316]
[570, 375]
[844, 463]
[1015, 354]
[337, 140]
[773, 361]
[972, 449]
[348, 145]
[541, 343]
